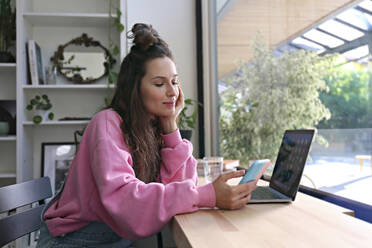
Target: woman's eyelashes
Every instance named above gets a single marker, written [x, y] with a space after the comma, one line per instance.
[175, 82]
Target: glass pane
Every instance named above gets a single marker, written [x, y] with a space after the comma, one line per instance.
[323, 38]
[220, 4]
[271, 90]
[344, 166]
[369, 18]
[364, 61]
[287, 48]
[356, 53]
[341, 30]
[367, 4]
[307, 44]
[354, 17]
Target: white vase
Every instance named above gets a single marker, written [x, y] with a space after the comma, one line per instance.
[43, 114]
[4, 128]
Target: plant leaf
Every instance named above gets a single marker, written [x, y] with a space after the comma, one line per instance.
[190, 123]
[120, 28]
[110, 78]
[51, 116]
[115, 50]
[37, 119]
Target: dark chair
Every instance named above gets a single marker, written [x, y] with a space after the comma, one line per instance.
[17, 195]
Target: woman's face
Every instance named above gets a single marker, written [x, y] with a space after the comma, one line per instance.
[159, 87]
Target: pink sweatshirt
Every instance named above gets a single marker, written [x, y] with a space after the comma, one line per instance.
[102, 186]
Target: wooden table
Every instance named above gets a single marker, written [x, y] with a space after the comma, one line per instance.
[307, 222]
[361, 158]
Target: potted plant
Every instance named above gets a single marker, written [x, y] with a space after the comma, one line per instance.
[187, 120]
[7, 31]
[41, 106]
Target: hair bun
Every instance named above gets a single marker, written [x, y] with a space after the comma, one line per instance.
[144, 36]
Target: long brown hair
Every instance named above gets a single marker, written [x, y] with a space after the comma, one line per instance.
[141, 133]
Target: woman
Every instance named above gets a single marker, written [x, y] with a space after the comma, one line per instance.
[133, 172]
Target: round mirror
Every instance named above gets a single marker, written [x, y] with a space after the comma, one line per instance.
[83, 60]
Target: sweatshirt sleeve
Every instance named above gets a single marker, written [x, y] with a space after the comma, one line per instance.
[178, 164]
[130, 207]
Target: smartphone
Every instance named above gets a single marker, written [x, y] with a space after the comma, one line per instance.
[255, 171]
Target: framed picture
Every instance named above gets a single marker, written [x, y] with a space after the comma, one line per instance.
[56, 159]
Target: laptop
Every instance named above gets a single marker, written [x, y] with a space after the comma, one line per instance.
[288, 169]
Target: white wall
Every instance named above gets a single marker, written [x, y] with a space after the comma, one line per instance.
[175, 22]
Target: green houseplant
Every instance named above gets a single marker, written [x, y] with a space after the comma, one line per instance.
[187, 119]
[114, 22]
[268, 95]
[41, 105]
[7, 31]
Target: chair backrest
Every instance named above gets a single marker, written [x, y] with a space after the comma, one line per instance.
[19, 195]
[78, 134]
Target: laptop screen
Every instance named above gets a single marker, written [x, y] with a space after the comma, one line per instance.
[291, 161]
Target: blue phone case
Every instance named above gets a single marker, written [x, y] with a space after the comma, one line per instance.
[253, 171]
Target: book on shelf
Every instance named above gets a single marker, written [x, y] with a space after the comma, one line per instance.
[35, 63]
[229, 164]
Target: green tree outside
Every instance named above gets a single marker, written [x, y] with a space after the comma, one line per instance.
[349, 97]
[268, 95]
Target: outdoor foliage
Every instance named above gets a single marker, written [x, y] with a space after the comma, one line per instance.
[267, 96]
[348, 98]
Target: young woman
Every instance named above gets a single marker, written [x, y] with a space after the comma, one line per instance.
[133, 172]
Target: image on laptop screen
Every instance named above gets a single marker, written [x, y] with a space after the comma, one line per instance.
[291, 160]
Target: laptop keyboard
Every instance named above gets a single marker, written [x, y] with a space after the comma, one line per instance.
[264, 193]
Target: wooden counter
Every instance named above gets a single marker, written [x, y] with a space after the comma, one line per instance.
[307, 222]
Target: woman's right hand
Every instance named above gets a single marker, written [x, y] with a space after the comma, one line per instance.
[232, 196]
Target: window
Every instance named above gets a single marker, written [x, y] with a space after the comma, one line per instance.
[280, 68]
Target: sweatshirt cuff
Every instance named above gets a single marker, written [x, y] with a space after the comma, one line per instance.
[172, 139]
[207, 196]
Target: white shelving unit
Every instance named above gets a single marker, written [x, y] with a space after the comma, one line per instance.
[8, 143]
[52, 23]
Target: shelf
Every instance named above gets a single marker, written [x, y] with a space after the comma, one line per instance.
[7, 66]
[68, 19]
[51, 23]
[8, 138]
[55, 123]
[68, 86]
[7, 175]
